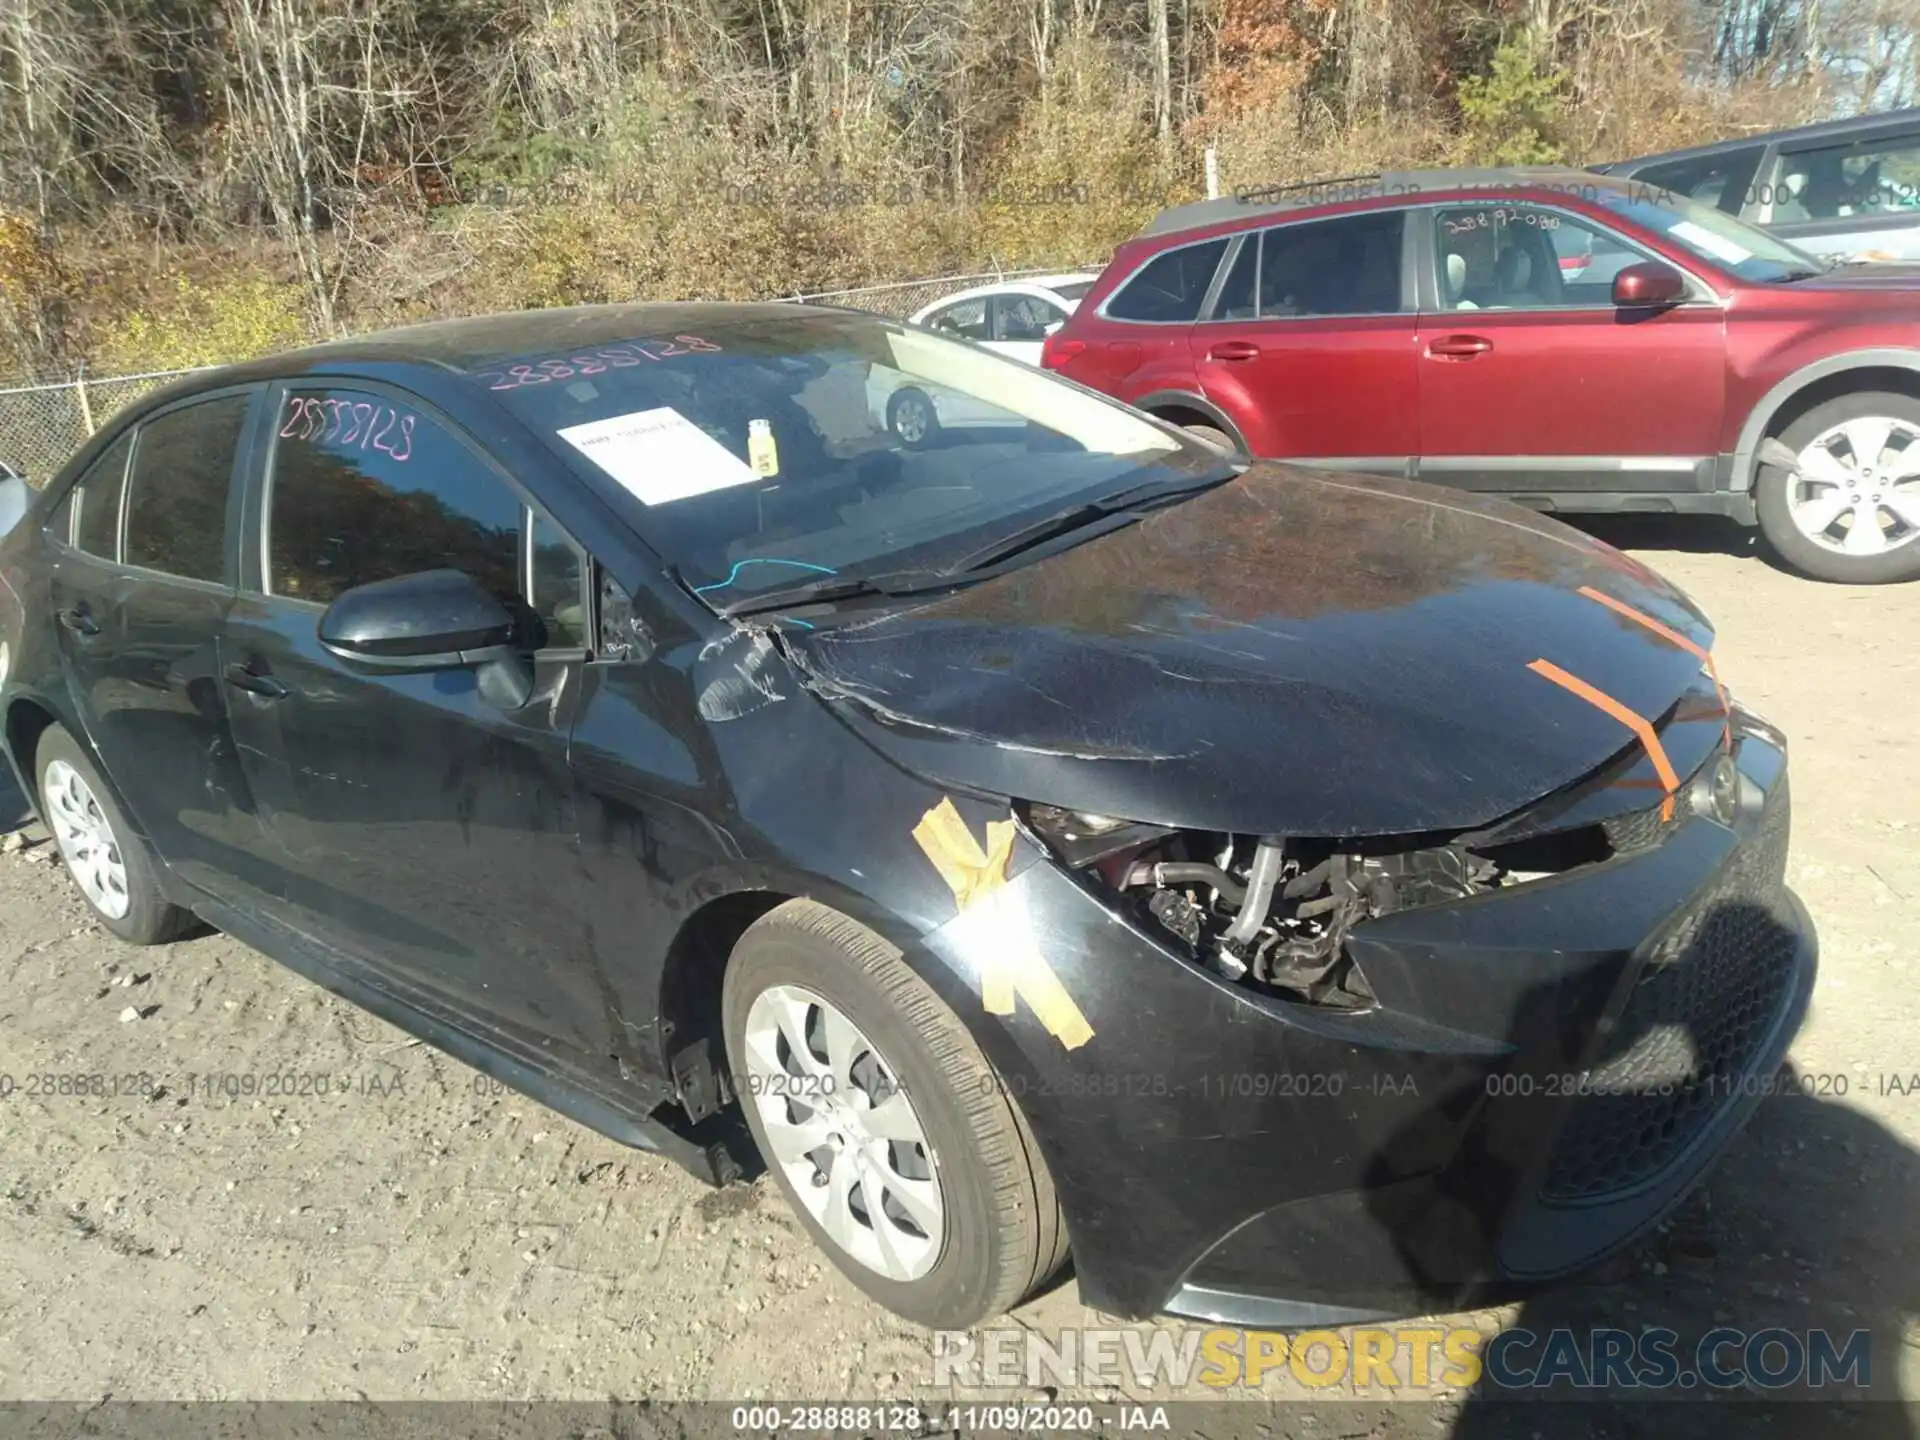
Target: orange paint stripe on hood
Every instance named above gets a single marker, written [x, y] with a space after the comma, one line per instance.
[1632, 719]
[1667, 632]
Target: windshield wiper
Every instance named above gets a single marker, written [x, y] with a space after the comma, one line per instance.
[807, 592]
[1122, 504]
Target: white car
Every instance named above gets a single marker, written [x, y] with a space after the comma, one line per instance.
[1011, 317]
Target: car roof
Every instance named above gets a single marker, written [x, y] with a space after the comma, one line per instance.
[1825, 130]
[477, 341]
[1388, 187]
[1015, 285]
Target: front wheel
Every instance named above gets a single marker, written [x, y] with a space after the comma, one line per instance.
[1850, 510]
[883, 1123]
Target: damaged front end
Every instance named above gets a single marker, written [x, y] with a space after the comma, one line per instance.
[1275, 911]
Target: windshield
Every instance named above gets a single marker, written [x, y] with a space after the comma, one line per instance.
[773, 450]
[1712, 235]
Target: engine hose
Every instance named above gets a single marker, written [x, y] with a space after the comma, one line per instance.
[1306, 882]
[1261, 878]
[1189, 872]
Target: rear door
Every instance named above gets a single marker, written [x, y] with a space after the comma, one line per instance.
[421, 829]
[1309, 344]
[139, 598]
[1532, 381]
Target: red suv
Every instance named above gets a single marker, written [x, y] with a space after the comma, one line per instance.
[1578, 342]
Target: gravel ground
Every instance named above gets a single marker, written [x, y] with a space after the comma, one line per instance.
[426, 1236]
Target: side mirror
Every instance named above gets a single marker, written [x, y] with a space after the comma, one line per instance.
[434, 620]
[1054, 328]
[1648, 282]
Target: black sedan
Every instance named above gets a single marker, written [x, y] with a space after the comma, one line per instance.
[1301, 899]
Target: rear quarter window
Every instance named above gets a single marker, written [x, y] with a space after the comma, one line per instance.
[1170, 287]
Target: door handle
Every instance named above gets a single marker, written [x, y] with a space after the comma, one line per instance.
[241, 677]
[78, 620]
[1234, 350]
[1460, 347]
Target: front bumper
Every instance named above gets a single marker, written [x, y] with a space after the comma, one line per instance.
[1551, 1067]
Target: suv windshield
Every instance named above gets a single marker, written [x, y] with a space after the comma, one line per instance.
[1713, 235]
[769, 452]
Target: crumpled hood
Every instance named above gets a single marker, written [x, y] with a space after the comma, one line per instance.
[1293, 652]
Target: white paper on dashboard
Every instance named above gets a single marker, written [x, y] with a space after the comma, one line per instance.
[659, 456]
[1717, 246]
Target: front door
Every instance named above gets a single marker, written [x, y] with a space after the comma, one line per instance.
[1533, 381]
[139, 596]
[422, 828]
[1021, 324]
[1310, 344]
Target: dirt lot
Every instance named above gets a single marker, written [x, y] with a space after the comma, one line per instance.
[426, 1236]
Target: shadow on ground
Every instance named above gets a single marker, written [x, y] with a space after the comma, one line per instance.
[1679, 534]
[1807, 1224]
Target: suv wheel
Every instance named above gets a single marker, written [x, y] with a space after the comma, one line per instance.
[106, 859]
[882, 1122]
[1850, 512]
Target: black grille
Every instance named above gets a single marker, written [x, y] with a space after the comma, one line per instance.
[1678, 1052]
[1644, 829]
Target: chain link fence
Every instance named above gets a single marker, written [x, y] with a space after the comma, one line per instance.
[41, 425]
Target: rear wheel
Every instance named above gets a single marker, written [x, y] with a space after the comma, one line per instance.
[1850, 511]
[883, 1123]
[911, 417]
[106, 859]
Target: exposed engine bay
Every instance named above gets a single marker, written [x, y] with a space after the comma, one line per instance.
[1276, 912]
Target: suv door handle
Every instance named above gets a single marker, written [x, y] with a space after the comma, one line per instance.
[1234, 350]
[78, 620]
[1460, 347]
[243, 677]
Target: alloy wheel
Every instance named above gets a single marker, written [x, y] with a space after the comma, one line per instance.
[910, 419]
[1857, 488]
[86, 840]
[844, 1131]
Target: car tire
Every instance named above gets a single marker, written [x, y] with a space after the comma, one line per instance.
[107, 860]
[1000, 1230]
[1789, 504]
[912, 418]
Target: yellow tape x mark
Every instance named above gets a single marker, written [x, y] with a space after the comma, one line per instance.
[1014, 967]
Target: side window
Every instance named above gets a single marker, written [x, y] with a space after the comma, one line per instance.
[1866, 178]
[364, 489]
[558, 589]
[1171, 286]
[1517, 257]
[177, 488]
[89, 516]
[1724, 180]
[1346, 266]
[965, 318]
[1237, 295]
[1026, 317]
